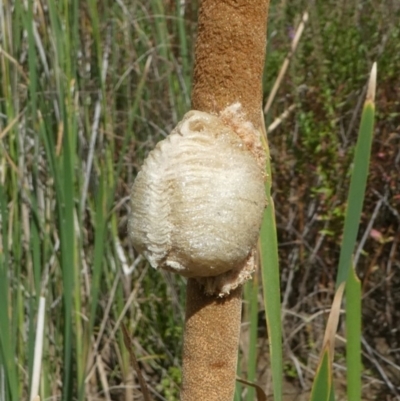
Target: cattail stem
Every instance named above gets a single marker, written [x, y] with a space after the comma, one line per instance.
[212, 329]
[230, 53]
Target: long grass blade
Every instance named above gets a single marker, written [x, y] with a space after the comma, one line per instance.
[333, 320]
[37, 361]
[251, 296]
[358, 181]
[135, 365]
[271, 283]
[321, 390]
[353, 336]
[7, 340]
[322, 386]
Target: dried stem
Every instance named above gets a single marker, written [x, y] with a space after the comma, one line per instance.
[286, 62]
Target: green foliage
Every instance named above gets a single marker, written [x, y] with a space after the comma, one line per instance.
[353, 336]
[271, 285]
[345, 272]
[357, 189]
[169, 384]
[323, 379]
[322, 385]
[77, 112]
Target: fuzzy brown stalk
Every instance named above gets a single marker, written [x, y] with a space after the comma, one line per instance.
[230, 53]
[210, 348]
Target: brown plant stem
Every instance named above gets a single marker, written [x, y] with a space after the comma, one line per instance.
[230, 53]
[210, 348]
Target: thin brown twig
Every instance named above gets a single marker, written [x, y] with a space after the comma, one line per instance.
[134, 363]
[11, 124]
[15, 62]
[279, 120]
[286, 62]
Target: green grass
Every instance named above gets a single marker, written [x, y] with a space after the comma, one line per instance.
[86, 90]
[271, 286]
[83, 118]
[353, 335]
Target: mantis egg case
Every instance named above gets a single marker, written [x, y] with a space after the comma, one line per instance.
[198, 201]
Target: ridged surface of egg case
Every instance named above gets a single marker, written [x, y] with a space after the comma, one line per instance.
[198, 201]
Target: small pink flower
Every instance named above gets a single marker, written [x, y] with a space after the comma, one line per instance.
[376, 235]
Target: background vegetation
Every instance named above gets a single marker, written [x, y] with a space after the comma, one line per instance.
[87, 88]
